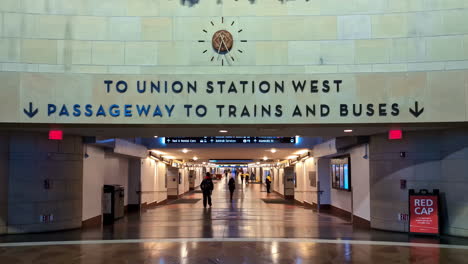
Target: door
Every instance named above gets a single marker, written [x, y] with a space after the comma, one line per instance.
[289, 184]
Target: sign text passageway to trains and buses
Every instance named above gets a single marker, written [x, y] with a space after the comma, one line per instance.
[224, 99]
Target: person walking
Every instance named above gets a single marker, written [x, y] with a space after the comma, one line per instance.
[246, 178]
[207, 188]
[242, 177]
[232, 186]
[268, 183]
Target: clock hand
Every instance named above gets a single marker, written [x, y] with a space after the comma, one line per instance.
[228, 51]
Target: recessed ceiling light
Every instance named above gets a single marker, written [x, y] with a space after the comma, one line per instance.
[223, 131]
[348, 130]
[258, 162]
[195, 158]
[265, 158]
[273, 150]
[155, 136]
[185, 150]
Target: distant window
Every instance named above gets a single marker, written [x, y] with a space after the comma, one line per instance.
[341, 173]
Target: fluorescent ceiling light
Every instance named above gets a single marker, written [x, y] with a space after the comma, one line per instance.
[157, 152]
[300, 152]
[223, 131]
[292, 157]
[348, 130]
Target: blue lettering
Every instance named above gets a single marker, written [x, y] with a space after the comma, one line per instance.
[89, 110]
[169, 109]
[51, 108]
[143, 109]
[114, 110]
[64, 111]
[101, 111]
[157, 111]
[128, 110]
[76, 110]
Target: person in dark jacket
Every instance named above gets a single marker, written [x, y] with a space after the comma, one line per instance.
[268, 183]
[232, 186]
[207, 188]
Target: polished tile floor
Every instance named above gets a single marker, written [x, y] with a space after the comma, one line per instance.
[248, 230]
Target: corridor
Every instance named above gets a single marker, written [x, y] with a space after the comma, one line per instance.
[255, 228]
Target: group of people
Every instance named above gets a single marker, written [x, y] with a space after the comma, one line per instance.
[207, 186]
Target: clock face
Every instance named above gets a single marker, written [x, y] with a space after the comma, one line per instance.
[222, 41]
[225, 46]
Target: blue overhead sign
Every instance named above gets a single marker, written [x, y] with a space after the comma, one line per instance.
[230, 140]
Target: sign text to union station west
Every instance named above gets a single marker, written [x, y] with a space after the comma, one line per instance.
[224, 99]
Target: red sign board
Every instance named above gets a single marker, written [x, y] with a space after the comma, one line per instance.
[395, 134]
[56, 135]
[424, 214]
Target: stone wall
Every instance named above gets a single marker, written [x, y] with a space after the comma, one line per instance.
[4, 147]
[34, 163]
[162, 36]
[434, 160]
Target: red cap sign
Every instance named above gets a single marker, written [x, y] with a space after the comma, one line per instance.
[424, 214]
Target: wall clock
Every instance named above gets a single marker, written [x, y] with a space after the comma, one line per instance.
[223, 43]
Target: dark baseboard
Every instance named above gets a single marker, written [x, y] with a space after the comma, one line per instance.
[338, 212]
[282, 196]
[361, 222]
[92, 222]
[312, 206]
[162, 202]
[133, 207]
[289, 197]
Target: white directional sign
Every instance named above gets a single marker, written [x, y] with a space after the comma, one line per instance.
[233, 99]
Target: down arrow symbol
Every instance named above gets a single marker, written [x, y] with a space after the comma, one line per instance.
[416, 112]
[31, 112]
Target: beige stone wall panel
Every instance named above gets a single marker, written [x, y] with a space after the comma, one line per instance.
[157, 28]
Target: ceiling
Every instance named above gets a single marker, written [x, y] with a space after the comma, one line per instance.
[285, 130]
[204, 154]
